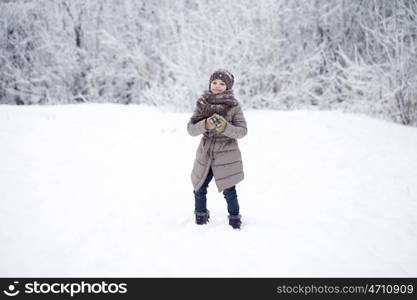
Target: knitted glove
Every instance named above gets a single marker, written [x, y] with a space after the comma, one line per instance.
[209, 124]
[222, 123]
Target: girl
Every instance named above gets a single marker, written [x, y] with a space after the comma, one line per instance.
[219, 117]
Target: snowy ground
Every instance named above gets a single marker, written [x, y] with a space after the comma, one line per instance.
[105, 190]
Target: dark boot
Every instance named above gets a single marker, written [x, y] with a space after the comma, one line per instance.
[202, 218]
[235, 221]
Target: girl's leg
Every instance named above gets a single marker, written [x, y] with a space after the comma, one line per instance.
[200, 195]
[232, 203]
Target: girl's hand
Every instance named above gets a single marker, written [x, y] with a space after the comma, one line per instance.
[223, 123]
[209, 124]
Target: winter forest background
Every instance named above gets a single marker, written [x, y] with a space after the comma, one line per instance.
[350, 55]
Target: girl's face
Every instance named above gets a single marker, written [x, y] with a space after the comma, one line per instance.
[217, 86]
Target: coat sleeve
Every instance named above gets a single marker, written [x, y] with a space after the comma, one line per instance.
[237, 128]
[197, 128]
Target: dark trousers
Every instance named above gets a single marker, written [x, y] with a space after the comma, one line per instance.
[229, 194]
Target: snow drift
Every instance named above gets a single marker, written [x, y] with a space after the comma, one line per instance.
[325, 194]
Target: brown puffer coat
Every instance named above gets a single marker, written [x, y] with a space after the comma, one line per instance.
[219, 150]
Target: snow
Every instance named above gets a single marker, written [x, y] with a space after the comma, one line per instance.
[104, 190]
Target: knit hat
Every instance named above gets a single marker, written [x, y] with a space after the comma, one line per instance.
[225, 76]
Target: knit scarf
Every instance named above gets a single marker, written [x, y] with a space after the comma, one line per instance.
[210, 103]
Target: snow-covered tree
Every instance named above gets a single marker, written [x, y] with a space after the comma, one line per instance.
[352, 55]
